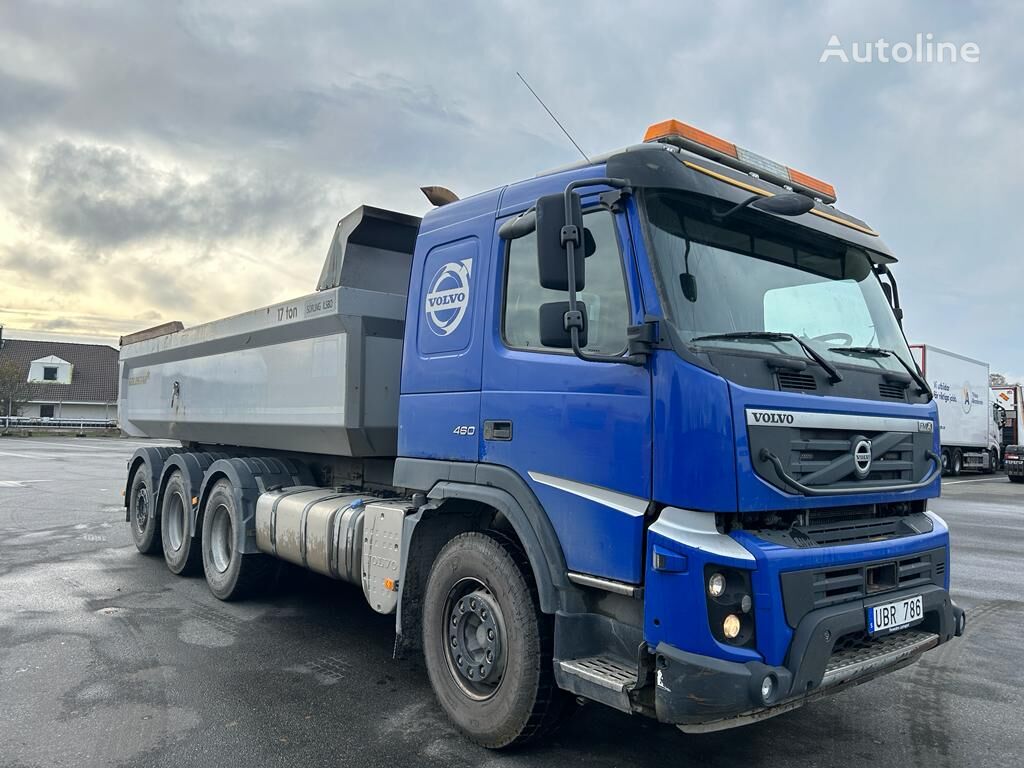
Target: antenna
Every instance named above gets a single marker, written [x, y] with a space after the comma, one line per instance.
[539, 101]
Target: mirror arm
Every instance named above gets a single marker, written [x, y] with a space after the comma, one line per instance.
[739, 206]
[572, 238]
[897, 310]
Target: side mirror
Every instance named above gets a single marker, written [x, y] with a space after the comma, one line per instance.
[552, 262]
[553, 332]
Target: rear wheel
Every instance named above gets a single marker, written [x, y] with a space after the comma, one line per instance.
[957, 462]
[144, 521]
[487, 646]
[181, 550]
[229, 574]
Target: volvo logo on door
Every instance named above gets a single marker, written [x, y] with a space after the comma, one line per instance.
[862, 458]
[448, 297]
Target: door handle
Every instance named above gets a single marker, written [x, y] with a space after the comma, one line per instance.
[497, 430]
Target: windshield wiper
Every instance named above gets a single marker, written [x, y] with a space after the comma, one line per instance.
[880, 352]
[833, 375]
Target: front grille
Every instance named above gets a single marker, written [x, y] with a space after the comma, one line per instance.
[808, 590]
[891, 391]
[851, 530]
[794, 381]
[816, 456]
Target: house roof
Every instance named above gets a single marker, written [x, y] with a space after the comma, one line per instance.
[93, 378]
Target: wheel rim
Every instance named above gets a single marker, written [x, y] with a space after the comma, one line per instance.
[175, 521]
[141, 504]
[945, 462]
[474, 639]
[221, 539]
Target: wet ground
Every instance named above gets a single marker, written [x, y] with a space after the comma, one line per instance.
[106, 658]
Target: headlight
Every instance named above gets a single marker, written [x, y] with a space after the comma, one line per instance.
[730, 602]
[716, 585]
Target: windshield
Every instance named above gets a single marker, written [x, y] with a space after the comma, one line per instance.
[742, 275]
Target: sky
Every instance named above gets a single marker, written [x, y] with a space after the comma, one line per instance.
[186, 161]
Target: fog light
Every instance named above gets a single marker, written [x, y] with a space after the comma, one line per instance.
[746, 604]
[731, 626]
[767, 688]
[716, 585]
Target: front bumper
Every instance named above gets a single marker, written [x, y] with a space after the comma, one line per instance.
[829, 652]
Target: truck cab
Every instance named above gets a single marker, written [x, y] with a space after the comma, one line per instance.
[724, 438]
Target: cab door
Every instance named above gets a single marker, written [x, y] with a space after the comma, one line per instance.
[578, 432]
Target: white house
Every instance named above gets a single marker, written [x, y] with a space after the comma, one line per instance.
[66, 381]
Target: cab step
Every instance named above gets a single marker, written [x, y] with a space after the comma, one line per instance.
[601, 678]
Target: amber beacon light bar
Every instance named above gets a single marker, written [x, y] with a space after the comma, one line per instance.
[708, 145]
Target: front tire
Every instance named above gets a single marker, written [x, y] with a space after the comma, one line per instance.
[142, 516]
[993, 462]
[958, 463]
[229, 574]
[487, 646]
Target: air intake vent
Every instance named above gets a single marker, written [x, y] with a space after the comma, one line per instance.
[796, 381]
[891, 391]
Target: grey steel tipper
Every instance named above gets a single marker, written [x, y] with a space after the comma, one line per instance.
[643, 431]
[237, 381]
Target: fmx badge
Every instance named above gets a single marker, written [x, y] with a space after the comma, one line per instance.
[448, 297]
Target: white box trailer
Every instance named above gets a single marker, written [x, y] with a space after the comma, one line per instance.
[968, 432]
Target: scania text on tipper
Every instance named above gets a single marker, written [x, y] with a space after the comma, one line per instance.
[644, 430]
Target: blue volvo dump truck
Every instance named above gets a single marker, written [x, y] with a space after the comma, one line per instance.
[643, 431]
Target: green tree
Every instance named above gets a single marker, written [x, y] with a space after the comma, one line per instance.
[13, 389]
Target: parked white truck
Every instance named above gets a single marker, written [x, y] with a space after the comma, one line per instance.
[969, 433]
[1009, 399]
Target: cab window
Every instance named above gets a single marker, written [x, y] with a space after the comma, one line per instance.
[604, 294]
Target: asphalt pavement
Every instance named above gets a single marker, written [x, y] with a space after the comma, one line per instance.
[107, 659]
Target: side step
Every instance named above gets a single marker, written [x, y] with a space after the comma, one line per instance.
[601, 678]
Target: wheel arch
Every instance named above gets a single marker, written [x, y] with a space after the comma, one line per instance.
[249, 477]
[451, 487]
[150, 460]
[193, 468]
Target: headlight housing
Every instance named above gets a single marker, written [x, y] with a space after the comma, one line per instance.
[730, 601]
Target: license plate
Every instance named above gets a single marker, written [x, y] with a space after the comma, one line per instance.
[890, 617]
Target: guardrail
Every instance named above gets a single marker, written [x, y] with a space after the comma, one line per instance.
[16, 422]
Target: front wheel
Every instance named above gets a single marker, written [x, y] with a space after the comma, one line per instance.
[945, 461]
[957, 462]
[993, 461]
[487, 646]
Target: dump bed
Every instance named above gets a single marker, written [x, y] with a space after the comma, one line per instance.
[317, 374]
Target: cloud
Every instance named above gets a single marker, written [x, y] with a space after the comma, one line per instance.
[107, 197]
